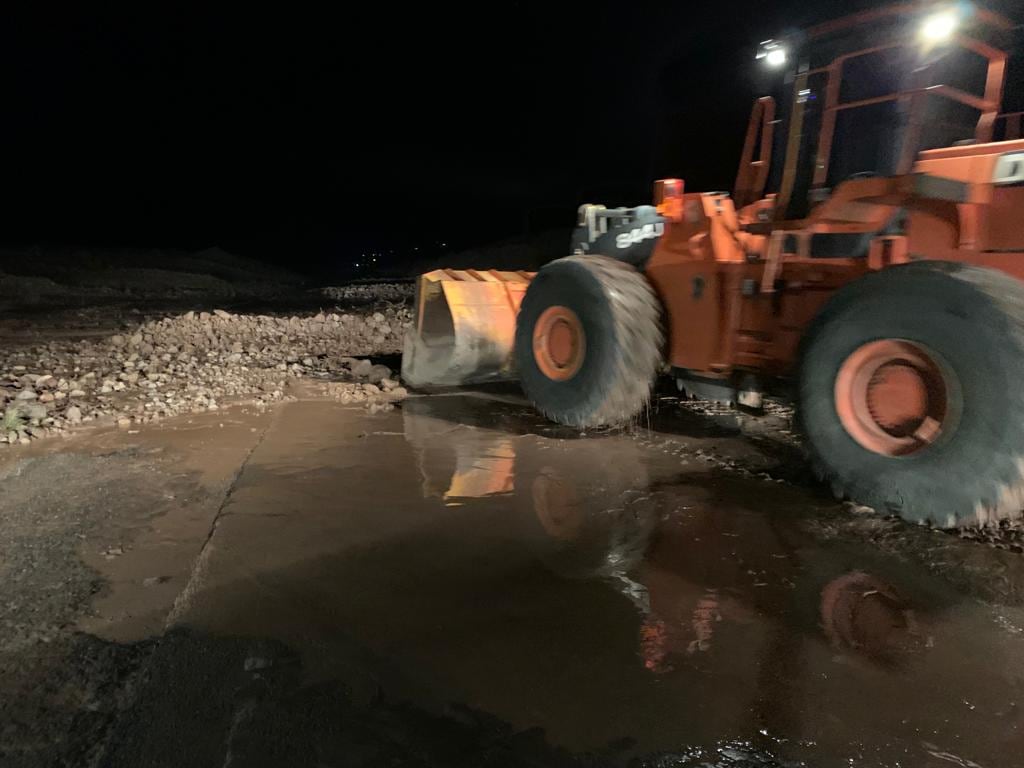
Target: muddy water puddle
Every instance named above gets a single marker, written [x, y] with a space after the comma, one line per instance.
[624, 599]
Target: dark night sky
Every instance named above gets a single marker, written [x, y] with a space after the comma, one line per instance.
[304, 136]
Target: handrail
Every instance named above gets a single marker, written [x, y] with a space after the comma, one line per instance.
[987, 105]
[752, 176]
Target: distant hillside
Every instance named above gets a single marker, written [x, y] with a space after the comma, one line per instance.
[520, 253]
[36, 277]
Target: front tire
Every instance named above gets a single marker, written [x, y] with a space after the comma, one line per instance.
[910, 393]
[589, 341]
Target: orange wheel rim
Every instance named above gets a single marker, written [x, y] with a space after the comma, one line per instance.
[892, 397]
[559, 344]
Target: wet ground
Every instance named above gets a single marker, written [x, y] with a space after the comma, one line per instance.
[459, 582]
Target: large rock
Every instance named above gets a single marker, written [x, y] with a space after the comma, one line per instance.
[33, 412]
[378, 373]
[362, 368]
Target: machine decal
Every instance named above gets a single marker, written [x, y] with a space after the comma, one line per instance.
[638, 235]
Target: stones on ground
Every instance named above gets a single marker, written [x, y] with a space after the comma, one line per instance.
[196, 362]
[33, 412]
[361, 368]
[378, 373]
[369, 292]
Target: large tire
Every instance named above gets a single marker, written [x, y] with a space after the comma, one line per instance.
[618, 319]
[962, 329]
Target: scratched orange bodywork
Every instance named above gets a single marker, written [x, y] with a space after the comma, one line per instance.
[740, 286]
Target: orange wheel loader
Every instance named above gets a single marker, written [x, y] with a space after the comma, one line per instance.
[868, 264]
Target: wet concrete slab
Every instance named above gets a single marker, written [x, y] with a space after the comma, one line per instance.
[98, 534]
[151, 564]
[461, 567]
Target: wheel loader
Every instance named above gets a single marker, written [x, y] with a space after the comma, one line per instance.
[867, 264]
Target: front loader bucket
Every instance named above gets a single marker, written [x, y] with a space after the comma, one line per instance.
[465, 327]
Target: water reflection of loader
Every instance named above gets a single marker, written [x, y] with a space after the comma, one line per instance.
[473, 464]
[686, 556]
[698, 566]
[691, 557]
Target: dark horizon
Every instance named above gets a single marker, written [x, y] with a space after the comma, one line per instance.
[310, 139]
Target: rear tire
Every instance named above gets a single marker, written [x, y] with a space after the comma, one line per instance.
[608, 322]
[935, 432]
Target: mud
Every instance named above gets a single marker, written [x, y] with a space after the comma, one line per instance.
[459, 582]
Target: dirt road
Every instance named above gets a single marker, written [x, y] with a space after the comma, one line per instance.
[458, 582]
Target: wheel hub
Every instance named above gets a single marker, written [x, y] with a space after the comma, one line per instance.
[897, 398]
[891, 397]
[559, 344]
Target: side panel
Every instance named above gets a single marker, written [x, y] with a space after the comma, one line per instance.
[771, 325]
[1005, 231]
[695, 306]
[686, 276]
[719, 321]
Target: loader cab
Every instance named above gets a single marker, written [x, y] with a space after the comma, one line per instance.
[864, 95]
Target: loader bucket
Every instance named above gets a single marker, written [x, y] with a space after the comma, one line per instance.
[465, 327]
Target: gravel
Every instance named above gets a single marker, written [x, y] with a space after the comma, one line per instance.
[192, 363]
[362, 292]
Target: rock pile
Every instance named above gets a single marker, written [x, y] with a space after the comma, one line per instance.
[371, 292]
[193, 363]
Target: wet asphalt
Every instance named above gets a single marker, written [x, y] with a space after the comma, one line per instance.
[461, 583]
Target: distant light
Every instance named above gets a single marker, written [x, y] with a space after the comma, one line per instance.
[444, 245]
[939, 27]
[775, 57]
